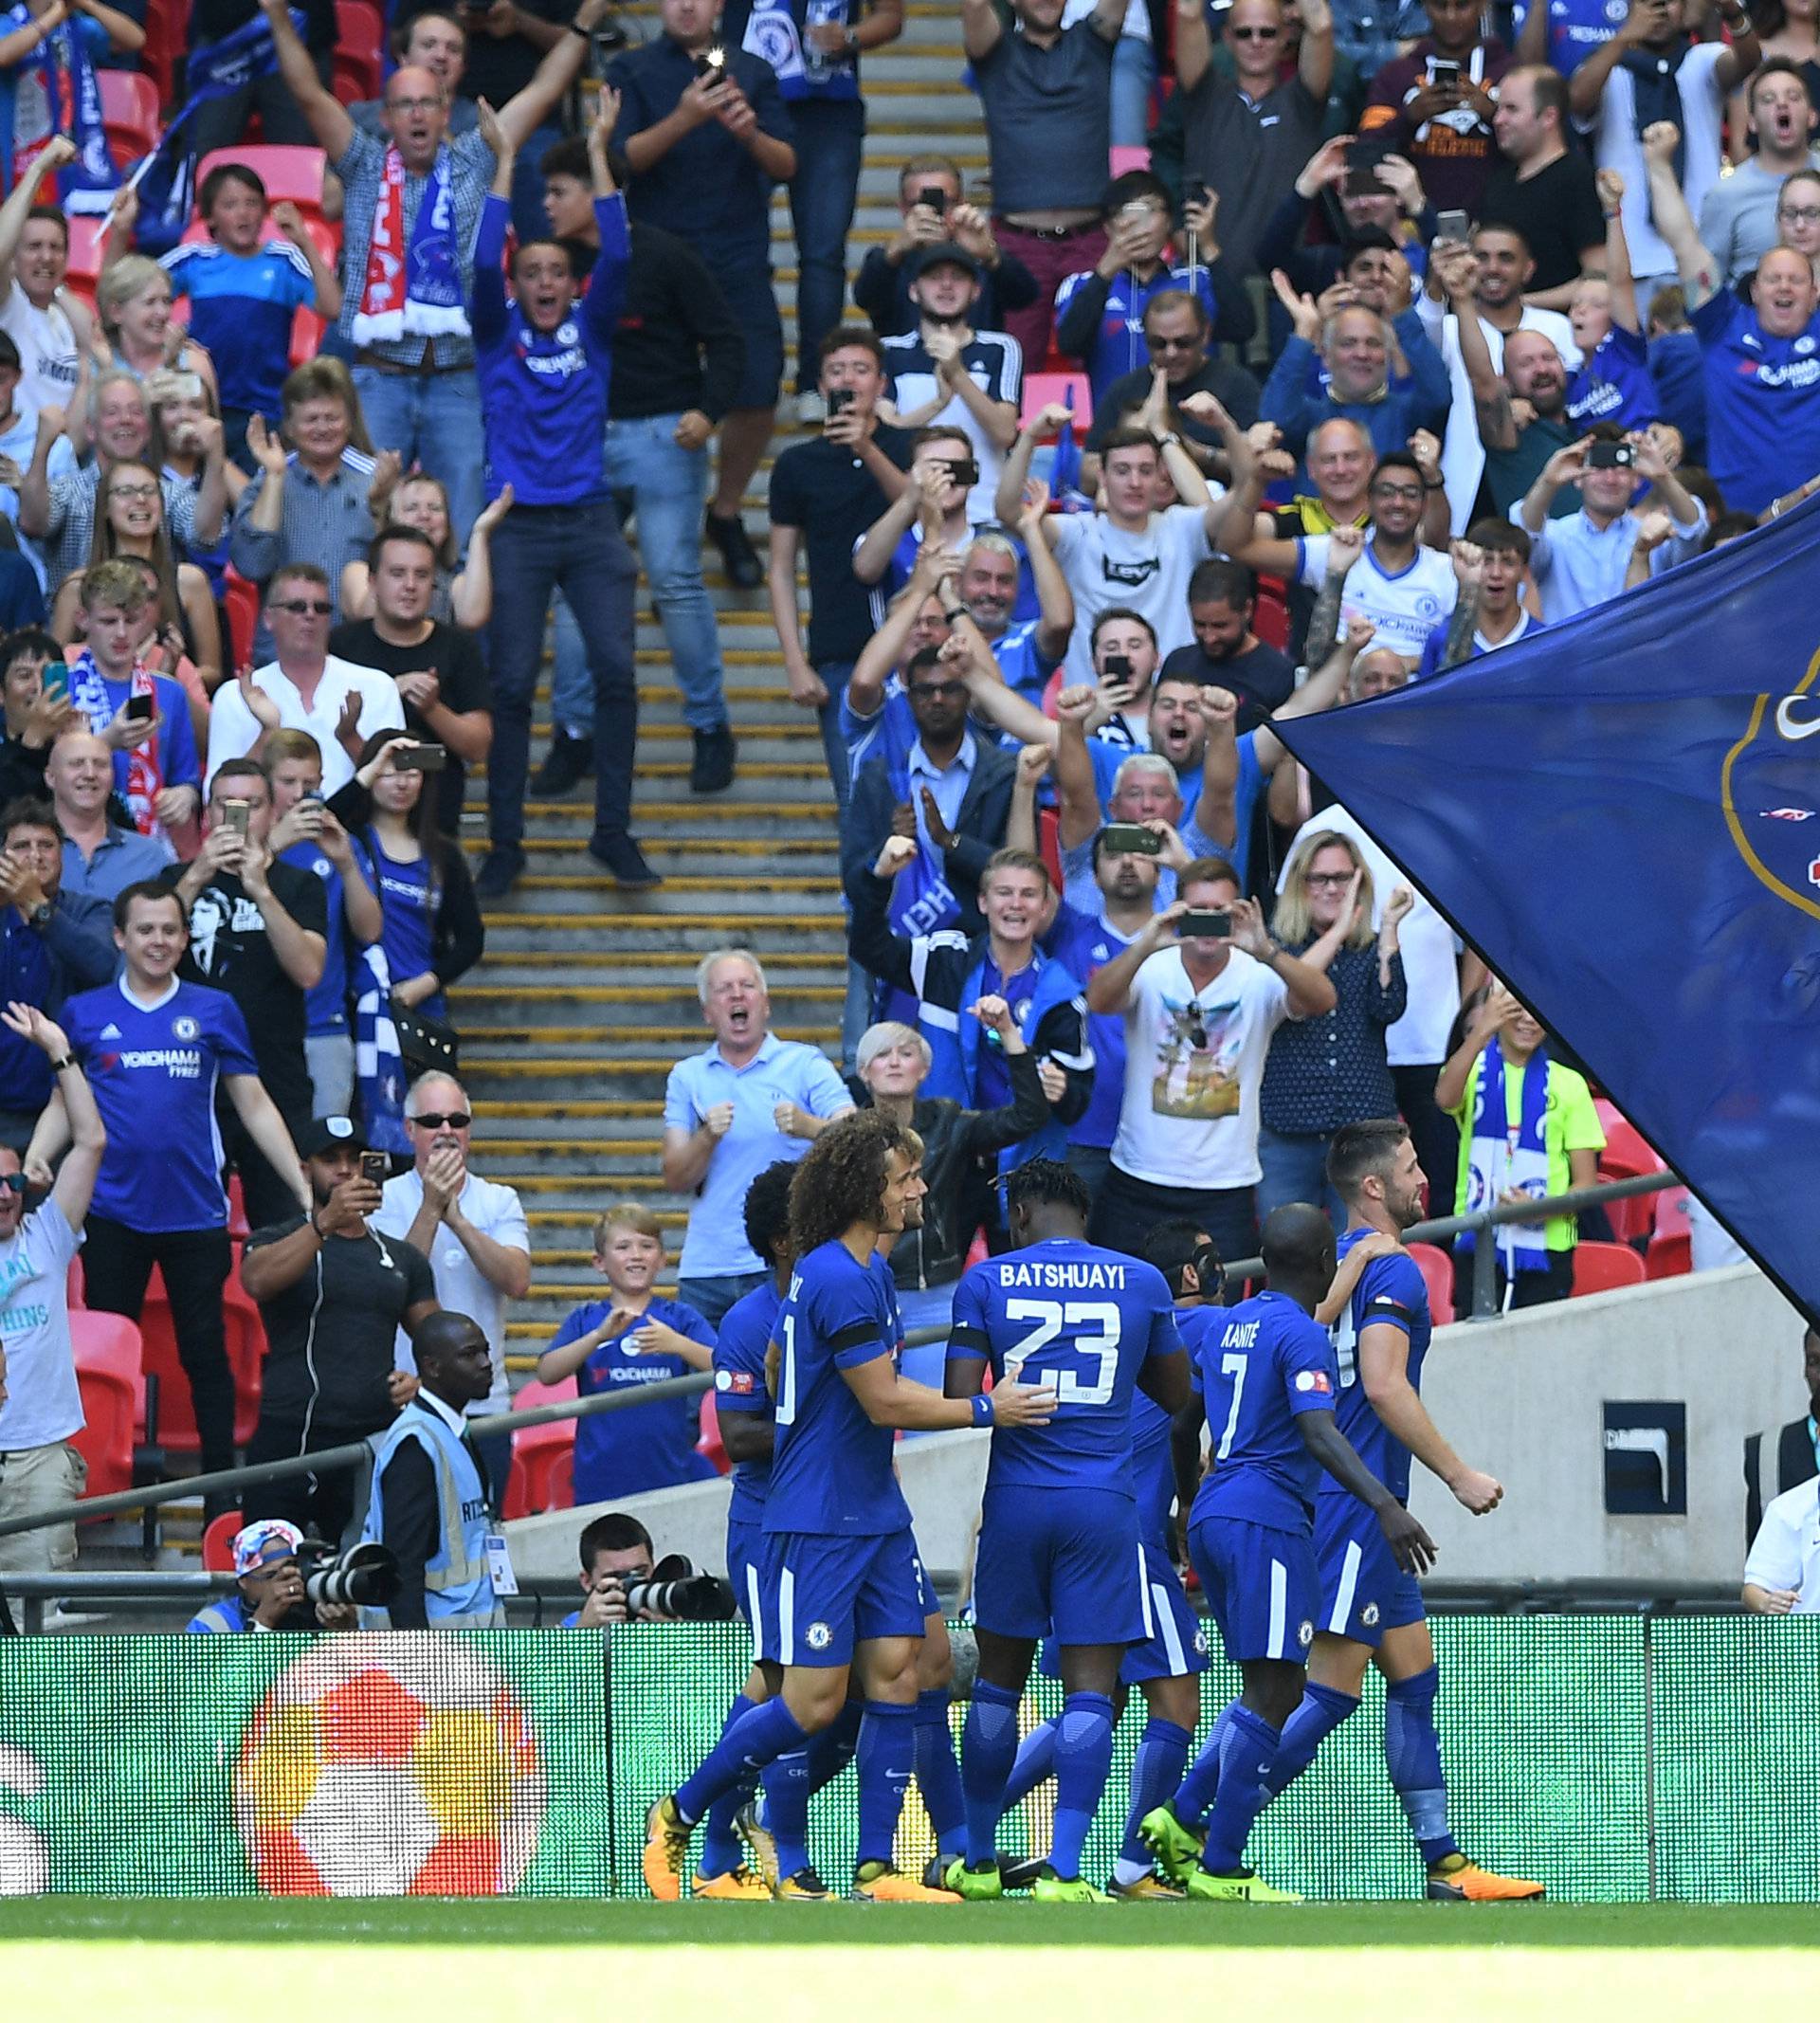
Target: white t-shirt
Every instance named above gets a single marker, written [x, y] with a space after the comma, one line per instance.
[43, 1403]
[1405, 604]
[1463, 455]
[48, 357]
[1616, 145]
[1786, 1551]
[460, 1287]
[1430, 948]
[233, 729]
[1147, 572]
[1194, 1064]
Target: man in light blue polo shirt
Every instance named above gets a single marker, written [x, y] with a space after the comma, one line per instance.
[749, 1100]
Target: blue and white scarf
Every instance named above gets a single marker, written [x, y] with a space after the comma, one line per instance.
[378, 1062]
[415, 290]
[62, 96]
[1501, 1159]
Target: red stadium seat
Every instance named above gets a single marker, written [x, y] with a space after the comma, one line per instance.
[1067, 390]
[542, 1456]
[1436, 1267]
[85, 257]
[107, 1354]
[709, 1444]
[129, 114]
[238, 1227]
[176, 1427]
[1669, 1256]
[218, 1542]
[1270, 613]
[1626, 1152]
[359, 38]
[240, 599]
[1604, 1268]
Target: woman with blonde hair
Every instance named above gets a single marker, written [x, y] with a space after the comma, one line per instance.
[133, 307]
[1325, 1072]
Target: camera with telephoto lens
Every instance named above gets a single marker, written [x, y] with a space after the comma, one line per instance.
[674, 1592]
[365, 1576]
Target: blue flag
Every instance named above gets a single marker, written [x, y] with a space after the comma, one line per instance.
[1623, 815]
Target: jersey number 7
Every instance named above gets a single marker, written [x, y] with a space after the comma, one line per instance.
[1051, 1316]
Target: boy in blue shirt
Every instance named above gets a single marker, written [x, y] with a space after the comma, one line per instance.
[1371, 1607]
[1060, 1538]
[633, 1338]
[1268, 1379]
[838, 1588]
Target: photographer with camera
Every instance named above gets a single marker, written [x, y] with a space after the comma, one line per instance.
[429, 1506]
[332, 1293]
[271, 1592]
[626, 1582]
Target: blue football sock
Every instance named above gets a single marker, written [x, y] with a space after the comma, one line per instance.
[938, 1775]
[1162, 1755]
[988, 1749]
[748, 1744]
[1321, 1712]
[1195, 1796]
[1035, 1761]
[1413, 1751]
[832, 1751]
[886, 1756]
[721, 1848]
[1246, 1753]
[1083, 1764]
[787, 1808]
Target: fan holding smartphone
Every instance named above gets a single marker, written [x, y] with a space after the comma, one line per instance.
[1435, 106]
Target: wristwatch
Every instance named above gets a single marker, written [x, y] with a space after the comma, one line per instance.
[1164, 441]
[57, 1067]
[39, 915]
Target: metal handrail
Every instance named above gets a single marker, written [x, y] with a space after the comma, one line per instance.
[358, 1452]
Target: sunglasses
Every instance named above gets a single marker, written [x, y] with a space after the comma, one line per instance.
[313, 607]
[1157, 343]
[938, 688]
[13, 1182]
[1254, 34]
[435, 1119]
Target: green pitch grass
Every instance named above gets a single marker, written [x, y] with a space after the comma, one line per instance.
[259, 1961]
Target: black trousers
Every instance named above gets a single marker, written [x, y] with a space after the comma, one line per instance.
[117, 1261]
[1127, 1209]
[1435, 1134]
[325, 1502]
[269, 1198]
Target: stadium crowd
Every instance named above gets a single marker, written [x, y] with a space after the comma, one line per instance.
[1299, 353]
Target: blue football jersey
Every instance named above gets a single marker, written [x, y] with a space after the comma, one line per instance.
[830, 1469]
[746, 1329]
[1392, 1290]
[1083, 1319]
[1261, 1366]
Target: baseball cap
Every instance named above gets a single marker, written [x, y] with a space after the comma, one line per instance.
[946, 253]
[329, 1134]
[265, 1543]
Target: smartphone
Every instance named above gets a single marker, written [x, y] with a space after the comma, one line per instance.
[1132, 839]
[138, 708]
[235, 815]
[712, 64]
[933, 197]
[1117, 667]
[420, 758]
[1205, 926]
[183, 386]
[1611, 456]
[1135, 213]
[963, 470]
[1453, 226]
[376, 1167]
[839, 401]
[55, 678]
[1443, 70]
[1363, 182]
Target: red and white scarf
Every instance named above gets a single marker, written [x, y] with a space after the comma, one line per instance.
[412, 290]
[144, 781]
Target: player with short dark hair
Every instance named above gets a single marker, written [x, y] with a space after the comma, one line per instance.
[840, 1592]
[1060, 1542]
[1268, 1378]
[1371, 1607]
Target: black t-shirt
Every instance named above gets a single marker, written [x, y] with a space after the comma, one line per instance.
[1234, 389]
[333, 1334]
[1557, 212]
[1261, 679]
[453, 654]
[230, 948]
[826, 491]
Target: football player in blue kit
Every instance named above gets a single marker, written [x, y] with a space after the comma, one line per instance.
[1266, 1371]
[840, 1591]
[1371, 1606]
[1060, 1538]
[1166, 1668]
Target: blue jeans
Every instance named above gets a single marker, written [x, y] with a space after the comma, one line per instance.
[830, 136]
[835, 675]
[711, 1297]
[1295, 1169]
[432, 419]
[1133, 78]
[577, 549]
[669, 487]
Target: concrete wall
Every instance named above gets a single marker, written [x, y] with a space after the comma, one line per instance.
[1522, 1396]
